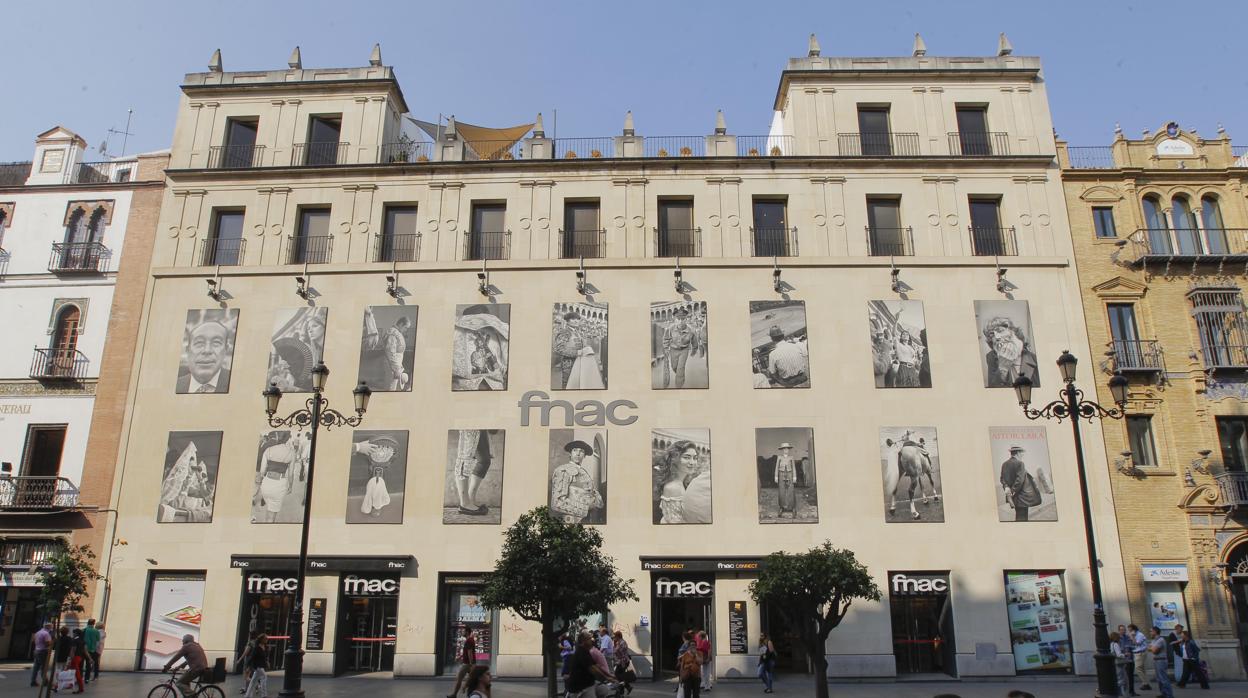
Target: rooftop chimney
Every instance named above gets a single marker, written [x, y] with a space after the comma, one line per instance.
[628, 123]
[812, 47]
[296, 60]
[1003, 46]
[539, 129]
[374, 58]
[920, 48]
[214, 63]
[721, 128]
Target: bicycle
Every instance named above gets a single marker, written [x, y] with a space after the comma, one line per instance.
[167, 689]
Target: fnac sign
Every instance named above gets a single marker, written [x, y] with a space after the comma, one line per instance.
[369, 586]
[666, 588]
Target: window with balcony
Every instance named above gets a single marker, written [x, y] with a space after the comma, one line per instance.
[82, 249]
[1233, 438]
[973, 137]
[312, 243]
[324, 144]
[1130, 352]
[1215, 232]
[874, 132]
[1103, 221]
[1186, 231]
[224, 244]
[676, 235]
[20, 552]
[1220, 323]
[885, 235]
[988, 237]
[399, 241]
[488, 238]
[41, 456]
[239, 149]
[582, 233]
[1140, 441]
[771, 235]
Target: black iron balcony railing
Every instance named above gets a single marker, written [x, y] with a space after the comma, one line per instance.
[401, 247]
[78, 258]
[878, 144]
[1234, 486]
[1099, 157]
[226, 252]
[482, 244]
[402, 152]
[993, 242]
[765, 146]
[35, 492]
[224, 157]
[1136, 355]
[322, 153]
[55, 363]
[25, 552]
[577, 244]
[675, 146]
[310, 249]
[773, 242]
[581, 148]
[890, 242]
[677, 242]
[1185, 244]
[1225, 355]
[979, 143]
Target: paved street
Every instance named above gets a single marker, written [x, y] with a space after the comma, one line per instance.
[129, 685]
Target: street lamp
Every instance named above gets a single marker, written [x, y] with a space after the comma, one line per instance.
[317, 414]
[1072, 406]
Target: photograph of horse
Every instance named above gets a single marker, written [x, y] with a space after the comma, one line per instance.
[910, 465]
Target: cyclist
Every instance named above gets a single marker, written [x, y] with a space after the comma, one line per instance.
[196, 663]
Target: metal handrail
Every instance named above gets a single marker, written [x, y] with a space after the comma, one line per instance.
[677, 242]
[1188, 243]
[1136, 355]
[765, 146]
[878, 144]
[80, 257]
[319, 153]
[56, 363]
[575, 244]
[404, 152]
[226, 252]
[581, 148]
[1098, 157]
[36, 492]
[487, 244]
[675, 146]
[773, 242]
[224, 157]
[401, 247]
[979, 143]
[1234, 487]
[890, 242]
[993, 242]
[310, 249]
[1224, 355]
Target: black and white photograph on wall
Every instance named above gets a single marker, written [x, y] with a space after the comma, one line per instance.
[1007, 346]
[787, 492]
[189, 485]
[910, 461]
[375, 480]
[1023, 476]
[578, 346]
[578, 475]
[207, 351]
[280, 489]
[298, 343]
[780, 357]
[899, 344]
[474, 477]
[388, 347]
[681, 476]
[678, 347]
[480, 346]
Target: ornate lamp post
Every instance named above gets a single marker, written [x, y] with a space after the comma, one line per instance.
[1072, 406]
[317, 414]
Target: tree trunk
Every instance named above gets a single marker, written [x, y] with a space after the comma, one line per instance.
[548, 656]
[821, 672]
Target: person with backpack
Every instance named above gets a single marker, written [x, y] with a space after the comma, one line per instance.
[689, 666]
[258, 666]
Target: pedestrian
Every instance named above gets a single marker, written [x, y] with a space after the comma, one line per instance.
[766, 662]
[42, 645]
[479, 682]
[624, 671]
[1157, 648]
[690, 668]
[99, 648]
[467, 658]
[63, 650]
[588, 674]
[1128, 652]
[1188, 652]
[565, 658]
[244, 660]
[258, 668]
[605, 644]
[92, 637]
[79, 659]
[1173, 638]
[1139, 650]
[703, 644]
[1122, 663]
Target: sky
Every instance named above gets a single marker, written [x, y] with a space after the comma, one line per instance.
[673, 63]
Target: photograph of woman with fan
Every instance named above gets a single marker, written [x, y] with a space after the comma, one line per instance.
[298, 343]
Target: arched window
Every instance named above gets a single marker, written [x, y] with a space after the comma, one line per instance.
[1158, 230]
[1186, 231]
[83, 227]
[1211, 221]
[3, 219]
[65, 339]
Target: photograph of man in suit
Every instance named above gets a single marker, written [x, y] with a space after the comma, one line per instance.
[208, 347]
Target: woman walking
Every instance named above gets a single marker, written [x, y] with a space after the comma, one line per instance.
[766, 662]
[690, 668]
[258, 662]
[623, 663]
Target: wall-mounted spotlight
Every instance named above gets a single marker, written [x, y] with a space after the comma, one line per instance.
[483, 280]
[776, 282]
[1201, 465]
[582, 280]
[1124, 465]
[392, 285]
[679, 277]
[1003, 284]
[896, 285]
[152, 561]
[301, 287]
[214, 290]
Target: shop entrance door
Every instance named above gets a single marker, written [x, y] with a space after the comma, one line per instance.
[922, 623]
[791, 656]
[25, 622]
[681, 602]
[368, 617]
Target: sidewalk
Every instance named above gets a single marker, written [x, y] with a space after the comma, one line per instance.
[14, 681]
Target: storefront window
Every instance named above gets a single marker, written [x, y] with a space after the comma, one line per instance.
[267, 600]
[368, 611]
[463, 611]
[1039, 624]
[175, 604]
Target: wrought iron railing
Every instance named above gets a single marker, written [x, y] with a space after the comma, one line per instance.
[890, 242]
[773, 242]
[1239, 151]
[35, 492]
[979, 143]
[765, 146]
[319, 153]
[675, 146]
[1136, 355]
[1214, 243]
[226, 252]
[482, 244]
[1218, 355]
[993, 242]
[401, 247]
[310, 249]
[1234, 486]
[404, 152]
[575, 244]
[1100, 157]
[581, 148]
[878, 144]
[78, 257]
[493, 150]
[677, 242]
[224, 157]
[55, 363]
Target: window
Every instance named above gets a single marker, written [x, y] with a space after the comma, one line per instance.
[874, 131]
[1140, 441]
[1186, 232]
[1103, 221]
[312, 243]
[988, 238]
[41, 456]
[84, 228]
[771, 235]
[1219, 314]
[224, 245]
[399, 240]
[1215, 231]
[1129, 351]
[973, 131]
[324, 133]
[240, 142]
[488, 237]
[24, 553]
[1158, 228]
[1233, 437]
[582, 236]
[676, 236]
[885, 236]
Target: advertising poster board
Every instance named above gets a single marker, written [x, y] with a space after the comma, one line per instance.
[1039, 623]
[175, 605]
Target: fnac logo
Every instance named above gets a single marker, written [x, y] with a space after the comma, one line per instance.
[664, 587]
[357, 586]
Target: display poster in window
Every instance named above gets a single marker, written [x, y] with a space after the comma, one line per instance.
[316, 625]
[1039, 627]
[465, 613]
[175, 606]
[1165, 605]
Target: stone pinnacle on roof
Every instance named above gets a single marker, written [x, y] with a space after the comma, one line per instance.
[450, 127]
[214, 63]
[812, 47]
[920, 48]
[296, 60]
[1003, 46]
[374, 58]
[721, 128]
[628, 123]
[539, 128]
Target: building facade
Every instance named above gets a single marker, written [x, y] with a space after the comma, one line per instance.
[1160, 227]
[69, 231]
[802, 308]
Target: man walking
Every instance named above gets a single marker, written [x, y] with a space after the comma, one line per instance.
[1188, 652]
[1157, 648]
[467, 658]
[1139, 649]
[43, 644]
[1020, 487]
[91, 637]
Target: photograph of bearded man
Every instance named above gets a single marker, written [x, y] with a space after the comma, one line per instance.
[1008, 350]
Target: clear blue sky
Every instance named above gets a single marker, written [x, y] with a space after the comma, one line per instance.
[1141, 63]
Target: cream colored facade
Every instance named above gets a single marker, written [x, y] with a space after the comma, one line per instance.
[824, 190]
[1181, 502]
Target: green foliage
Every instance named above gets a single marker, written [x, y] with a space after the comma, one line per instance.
[64, 576]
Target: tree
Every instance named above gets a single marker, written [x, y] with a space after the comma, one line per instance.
[813, 591]
[551, 572]
[63, 576]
